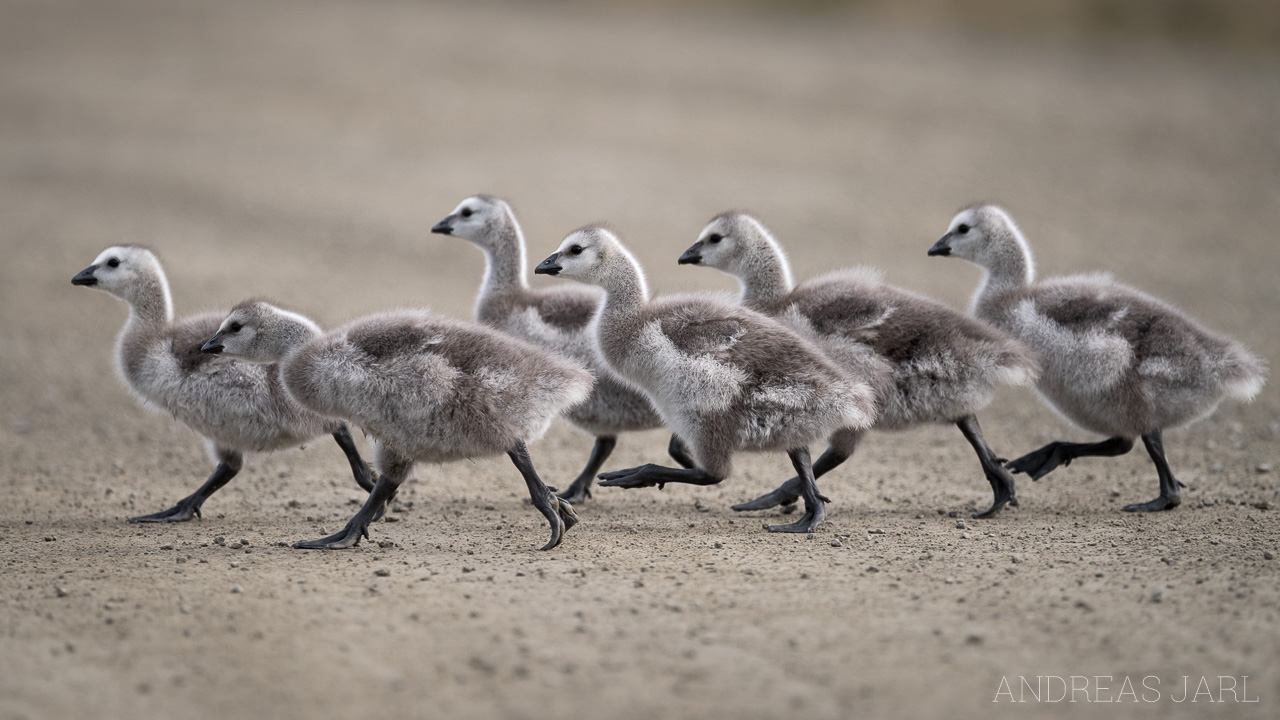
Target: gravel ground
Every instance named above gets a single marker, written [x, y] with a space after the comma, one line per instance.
[303, 150]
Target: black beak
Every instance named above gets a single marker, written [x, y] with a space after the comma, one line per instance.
[550, 266]
[692, 256]
[444, 227]
[942, 247]
[85, 276]
[214, 345]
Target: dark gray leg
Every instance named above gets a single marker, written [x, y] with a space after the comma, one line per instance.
[814, 504]
[1041, 462]
[650, 475]
[394, 471]
[789, 492]
[229, 463]
[580, 489]
[680, 452]
[1170, 496]
[559, 513]
[365, 476]
[1002, 487]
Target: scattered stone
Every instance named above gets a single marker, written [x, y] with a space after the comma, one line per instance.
[244, 542]
[237, 589]
[62, 592]
[973, 640]
[354, 500]
[701, 506]
[1268, 555]
[235, 546]
[1262, 468]
[384, 544]
[873, 569]
[875, 531]
[219, 540]
[960, 525]
[166, 546]
[718, 545]
[837, 543]
[49, 538]
[391, 518]
[950, 581]
[1263, 505]
[382, 572]
[953, 514]
[1157, 594]
[1114, 492]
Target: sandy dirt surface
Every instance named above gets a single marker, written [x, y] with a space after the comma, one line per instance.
[303, 150]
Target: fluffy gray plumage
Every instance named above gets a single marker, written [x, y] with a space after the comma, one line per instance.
[1116, 361]
[554, 318]
[927, 362]
[723, 377]
[235, 406]
[425, 387]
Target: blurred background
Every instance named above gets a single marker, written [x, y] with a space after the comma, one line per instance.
[301, 150]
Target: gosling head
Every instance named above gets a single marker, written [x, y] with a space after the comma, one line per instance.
[260, 332]
[593, 255]
[734, 243]
[122, 271]
[986, 236]
[479, 219]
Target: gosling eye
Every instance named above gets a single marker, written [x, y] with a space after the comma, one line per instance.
[575, 250]
[715, 238]
[113, 262]
[466, 212]
[234, 327]
[962, 229]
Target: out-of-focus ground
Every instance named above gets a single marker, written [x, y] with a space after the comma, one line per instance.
[302, 150]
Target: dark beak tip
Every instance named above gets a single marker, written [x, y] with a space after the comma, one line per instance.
[939, 251]
[212, 348]
[690, 260]
[441, 229]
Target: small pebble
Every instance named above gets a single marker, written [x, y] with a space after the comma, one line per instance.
[873, 569]
[237, 589]
[166, 546]
[1263, 468]
[960, 524]
[719, 545]
[701, 506]
[837, 543]
[62, 592]
[384, 544]
[1157, 594]
[219, 540]
[1268, 555]
[49, 538]
[382, 572]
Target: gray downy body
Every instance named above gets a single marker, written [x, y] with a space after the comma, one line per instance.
[724, 378]
[1116, 361]
[558, 319]
[928, 362]
[427, 388]
[235, 406]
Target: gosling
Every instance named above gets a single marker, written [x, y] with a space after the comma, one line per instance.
[723, 377]
[236, 407]
[927, 362]
[1117, 361]
[425, 387]
[557, 319]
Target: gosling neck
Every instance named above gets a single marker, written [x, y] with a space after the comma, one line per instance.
[504, 258]
[765, 278]
[626, 292]
[1008, 267]
[150, 303]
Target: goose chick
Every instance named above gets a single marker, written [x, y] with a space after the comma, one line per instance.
[928, 362]
[1117, 361]
[425, 387]
[558, 319]
[236, 407]
[724, 378]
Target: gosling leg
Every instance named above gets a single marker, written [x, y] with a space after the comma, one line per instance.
[365, 475]
[841, 449]
[814, 504]
[680, 452]
[1170, 496]
[1002, 486]
[229, 463]
[649, 475]
[394, 471]
[559, 513]
[580, 489]
[1039, 463]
